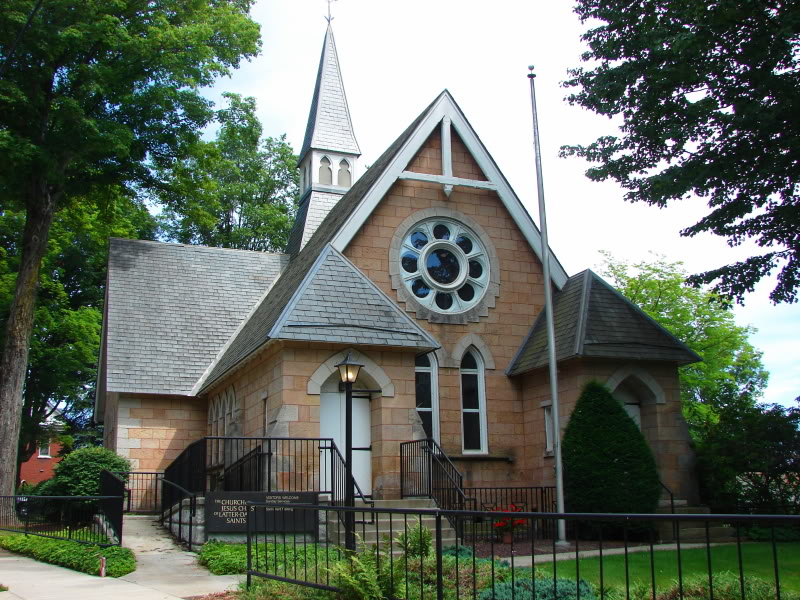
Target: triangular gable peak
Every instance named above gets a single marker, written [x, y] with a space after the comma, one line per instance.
[337, 303]
[444, 114]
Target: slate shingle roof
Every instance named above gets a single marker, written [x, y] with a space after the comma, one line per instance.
[329, 126]
[592, 319]
[255, 332]
[171, 307]
[337, 303]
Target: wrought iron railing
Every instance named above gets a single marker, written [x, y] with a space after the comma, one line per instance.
[524, 499]
[606, 556]
[261, 464]
[142, 490]
[426, 471]
[84, 519]
[178, 510]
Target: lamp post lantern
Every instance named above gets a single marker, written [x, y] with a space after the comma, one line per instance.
[348, 372]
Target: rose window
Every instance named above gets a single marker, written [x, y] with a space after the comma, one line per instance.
[444, 265]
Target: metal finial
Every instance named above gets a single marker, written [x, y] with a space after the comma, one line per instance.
[531, 75]
[329, 18]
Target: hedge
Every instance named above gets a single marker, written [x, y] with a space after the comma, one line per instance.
[75, 556]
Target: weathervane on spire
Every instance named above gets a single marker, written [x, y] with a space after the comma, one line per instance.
[329, 18]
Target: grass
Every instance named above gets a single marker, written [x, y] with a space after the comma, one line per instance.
[756, 559]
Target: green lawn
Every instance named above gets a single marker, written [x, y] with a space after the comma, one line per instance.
[756, 560]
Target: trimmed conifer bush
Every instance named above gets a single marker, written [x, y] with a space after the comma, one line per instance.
[608, 466]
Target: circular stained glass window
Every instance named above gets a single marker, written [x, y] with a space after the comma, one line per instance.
[444, 265]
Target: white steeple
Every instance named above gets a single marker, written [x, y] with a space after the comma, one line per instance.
[328, 161]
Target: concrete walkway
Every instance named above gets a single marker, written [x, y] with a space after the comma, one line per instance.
[164, 572]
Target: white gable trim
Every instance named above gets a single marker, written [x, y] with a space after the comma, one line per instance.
[445, 107]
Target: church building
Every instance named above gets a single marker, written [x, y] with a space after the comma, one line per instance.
[426, 268]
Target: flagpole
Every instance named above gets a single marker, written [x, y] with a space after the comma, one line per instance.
[548, 308]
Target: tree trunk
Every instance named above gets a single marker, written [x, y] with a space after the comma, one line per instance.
[13, 365]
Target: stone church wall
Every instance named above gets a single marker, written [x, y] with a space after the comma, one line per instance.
[153, 430]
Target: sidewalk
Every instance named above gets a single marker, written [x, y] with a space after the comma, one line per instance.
[164, 572]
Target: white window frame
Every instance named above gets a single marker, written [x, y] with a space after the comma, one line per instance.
[548, 429]
[481, 410]
[44, 454]
[434, 409]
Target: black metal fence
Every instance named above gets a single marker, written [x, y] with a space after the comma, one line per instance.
[85, 519]
[142, 490]
[414, 554]
[112, 487]
[512, 499]
[178, 511]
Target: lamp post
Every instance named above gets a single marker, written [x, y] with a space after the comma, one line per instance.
[348, 371]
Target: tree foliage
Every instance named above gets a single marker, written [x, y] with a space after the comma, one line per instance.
[748, 458]
[60, 377]
[90, 92]
[234, 192]
[608, 466]
[708, 95]
[701, 320]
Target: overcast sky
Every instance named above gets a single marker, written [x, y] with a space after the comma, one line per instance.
[396, 57]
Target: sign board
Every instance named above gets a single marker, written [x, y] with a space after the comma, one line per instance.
[226, 512]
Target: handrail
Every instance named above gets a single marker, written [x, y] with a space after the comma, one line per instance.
[672, 508]
[170, 508]
[439, 479]
[359, 493]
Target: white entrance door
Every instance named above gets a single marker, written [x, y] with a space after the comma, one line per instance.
[332, 425]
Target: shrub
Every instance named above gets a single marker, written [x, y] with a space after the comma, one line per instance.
[75, 556]
[608, 466]
[223, 558]
[539, 588]
[78, 474]
[460, 551]
[782, 534]
[416, 541]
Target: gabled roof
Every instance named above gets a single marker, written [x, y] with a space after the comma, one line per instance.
[171, 307]
[592, 319]
[409, 144]
[329, 126]
[334, 302]
[349, 214]
[337, 303]
[254, 332]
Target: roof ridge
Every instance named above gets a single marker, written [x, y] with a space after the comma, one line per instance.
[196, 246]
[583, 311]
[641, 313]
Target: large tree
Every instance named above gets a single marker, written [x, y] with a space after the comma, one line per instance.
[59, 383]
[89, 91]
[704, 322]
[707, 95]
[237, 191]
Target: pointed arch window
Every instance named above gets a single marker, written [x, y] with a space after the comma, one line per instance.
[473, 403]
[344, 177]
[427, 389]
[325, 172]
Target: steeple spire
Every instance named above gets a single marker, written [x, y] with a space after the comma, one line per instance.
[328, 158]
[329, 126]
